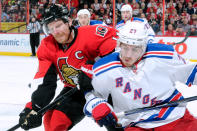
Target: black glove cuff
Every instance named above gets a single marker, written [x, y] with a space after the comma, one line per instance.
[35, 107]
[25, 112]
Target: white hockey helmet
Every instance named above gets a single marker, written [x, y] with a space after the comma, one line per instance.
[133, 33]
[83, 12]
[126, 7]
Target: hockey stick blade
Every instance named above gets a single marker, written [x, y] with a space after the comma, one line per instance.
[155, 107]
[51, 105]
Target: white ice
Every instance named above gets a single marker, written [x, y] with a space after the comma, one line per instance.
[15, 75]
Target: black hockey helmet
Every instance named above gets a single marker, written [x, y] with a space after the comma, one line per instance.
[54, 12]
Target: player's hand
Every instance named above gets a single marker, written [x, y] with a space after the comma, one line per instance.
[101, 111]
[103, 115]
[29, 119]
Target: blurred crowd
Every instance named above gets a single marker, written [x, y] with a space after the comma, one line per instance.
[180, 15]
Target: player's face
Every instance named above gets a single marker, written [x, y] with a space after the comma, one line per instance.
[59, 30]
[130, 54]
[126, 15]
[83, 20]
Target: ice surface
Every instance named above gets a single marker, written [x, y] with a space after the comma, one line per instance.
[15, 75]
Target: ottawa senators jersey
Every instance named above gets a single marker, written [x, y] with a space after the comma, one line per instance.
[89, 42]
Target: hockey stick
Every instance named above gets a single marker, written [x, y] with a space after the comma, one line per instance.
[155, 107]
[29, 85]
[51, 105]
[186, 36]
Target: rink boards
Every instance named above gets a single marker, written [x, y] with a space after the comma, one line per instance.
[19, 45]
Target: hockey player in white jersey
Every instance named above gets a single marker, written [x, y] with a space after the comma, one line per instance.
[126, 13]
[141, 75]
[83, 17]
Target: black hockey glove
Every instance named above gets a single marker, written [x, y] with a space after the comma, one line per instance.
[85, 82]
[29, 119]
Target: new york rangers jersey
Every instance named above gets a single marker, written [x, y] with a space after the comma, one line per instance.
[150, 81]
[94, 22]
[147, 28]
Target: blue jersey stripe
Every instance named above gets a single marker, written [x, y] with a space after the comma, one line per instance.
[107, 70]
[190, 79]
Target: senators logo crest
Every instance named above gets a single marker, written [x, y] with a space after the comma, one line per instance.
[101, 30]
[69, 74]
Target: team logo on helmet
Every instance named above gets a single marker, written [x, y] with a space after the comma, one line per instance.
[68, 73]
[101, 31]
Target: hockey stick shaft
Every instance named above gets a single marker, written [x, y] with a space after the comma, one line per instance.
[29, 85]
[51, 105]
[155, 107]
[186, 36]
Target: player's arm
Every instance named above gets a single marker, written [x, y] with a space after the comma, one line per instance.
[106, 39]
[184, 71]
[97, 106]
[149, 30]
[45, 79]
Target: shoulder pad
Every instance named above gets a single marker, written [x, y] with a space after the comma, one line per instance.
[107, 63]
[159, 50]
[138, 19]
[95, 22]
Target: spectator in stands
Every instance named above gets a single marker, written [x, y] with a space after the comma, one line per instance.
[127, 2]
[152, 17]
[103, 4]
[152, 4]
[190, 9]
[179, 8]
[34, 30]
[74, 14]
[185, 25]
[185, 14]
[170, 31]
[143, 7]
[159, 12]
[193, 31]
[107, 20]
[4, 19]
[155, 26]
[150, 11]
[180, 31]
[160, 32]
[119, 4]
[136, 10]
[96, 5]
[195, 23]
[173, 23]
[85, 6]
[143, 16]
[193, 18]
[171, 4]
[101, 12]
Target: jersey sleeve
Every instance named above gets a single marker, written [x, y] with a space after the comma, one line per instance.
[101, 86]
[150, 32]
[185, 72]
[45, 79]
[106, 39]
